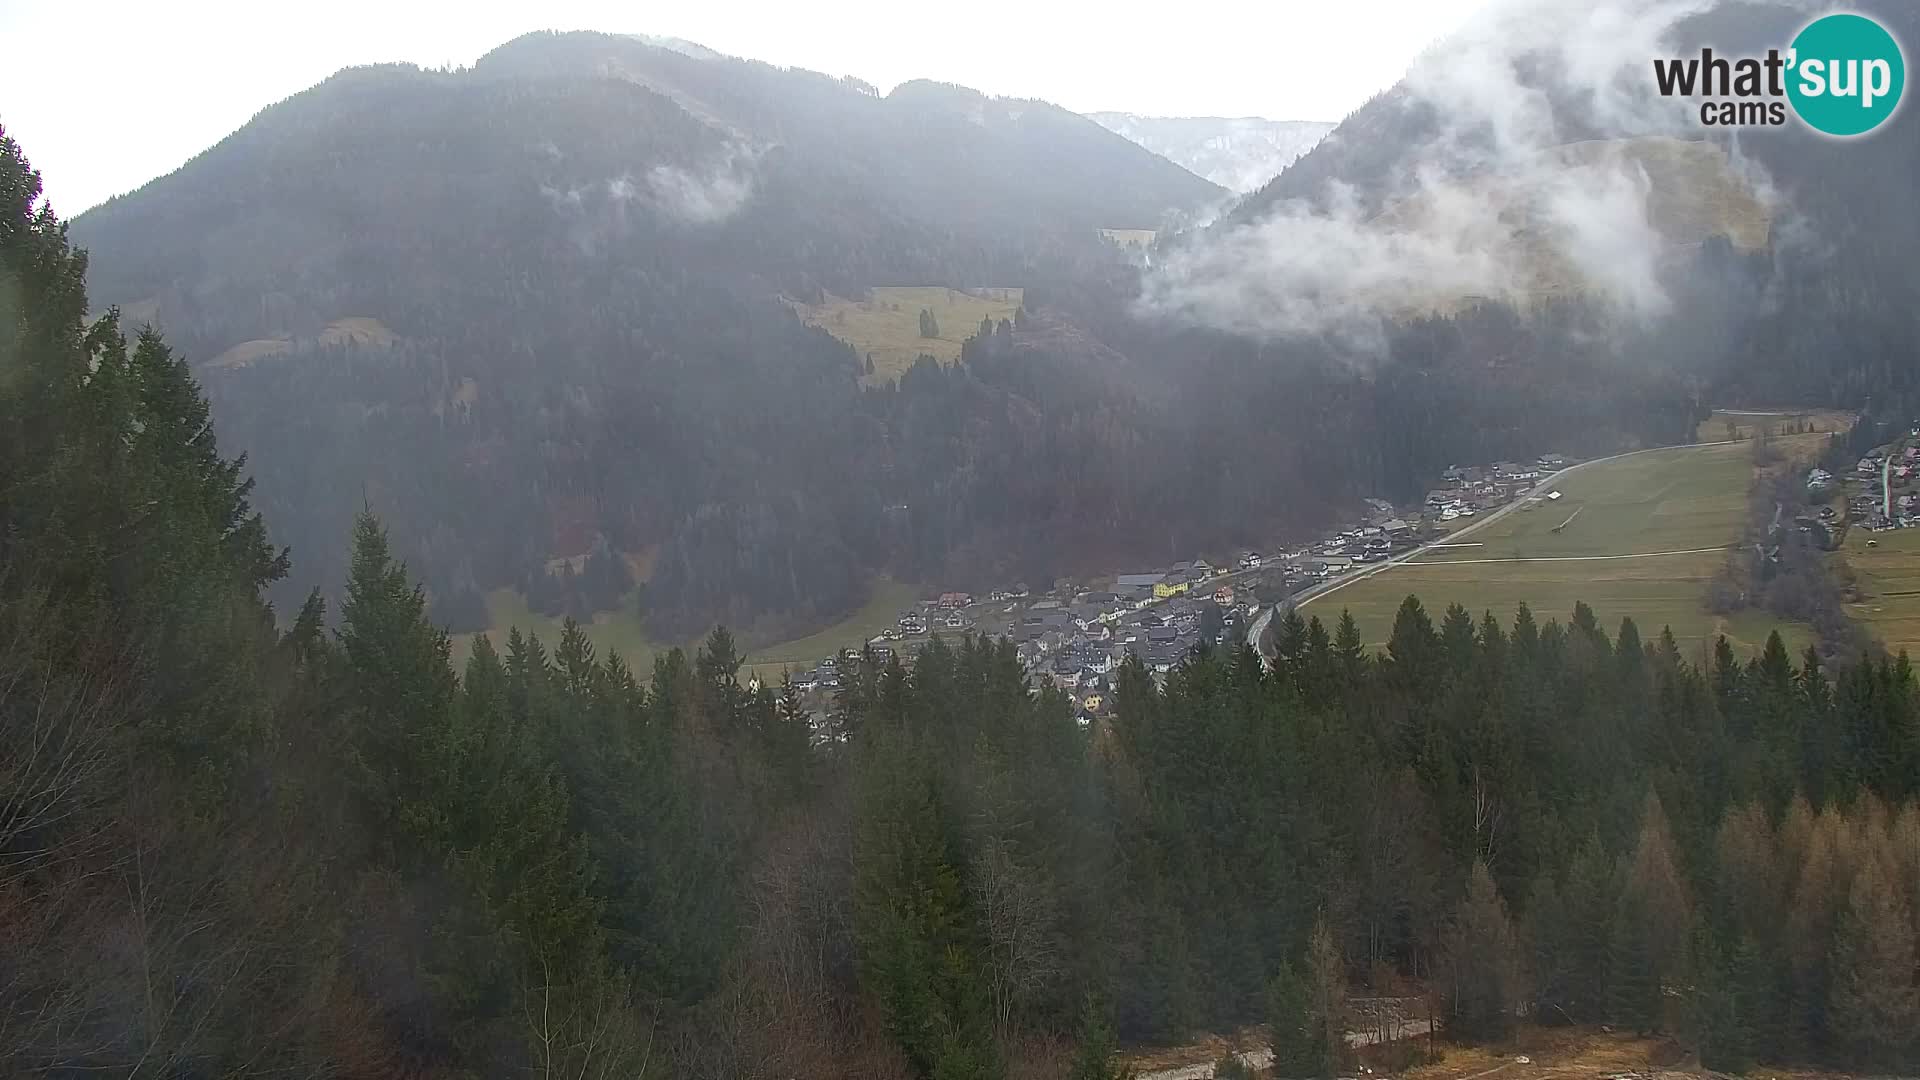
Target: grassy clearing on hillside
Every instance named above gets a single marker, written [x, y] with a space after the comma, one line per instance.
[352, 330]
[356, 330]
[1678, 500]
[622, 632]
[1655, 593]
[249, 352]
[611, 631]
[887, 323]
[889, 599]
[1130, 238]
[1888, 577]
[1745, 422]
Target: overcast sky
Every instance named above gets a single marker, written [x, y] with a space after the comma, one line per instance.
[104, 96]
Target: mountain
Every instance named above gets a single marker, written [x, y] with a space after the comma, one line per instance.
[588, 322]
[592, 320]
[1238, 153]
[1693, 193]
[1528, 159]
[537, 313]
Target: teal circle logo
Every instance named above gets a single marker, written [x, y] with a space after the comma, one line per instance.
[1847, 75]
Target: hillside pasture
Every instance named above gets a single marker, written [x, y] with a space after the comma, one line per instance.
[1643, 536]
[352, 330]
[886, 323]
[1887, 577]
[1745, 423]
[881, 610]
[1131, 239]
[623, 631]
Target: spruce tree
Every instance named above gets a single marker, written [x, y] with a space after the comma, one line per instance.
[1633, 971]
[1290, 640]
[1349, 652]
[1727, 1011]
[1875, 1005]
[1093, 1056]
[402, 690]
[1483, 962]
[1295, 1032]
[1326, 974]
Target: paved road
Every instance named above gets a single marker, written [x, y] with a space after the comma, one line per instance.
[1886, 482]
[1335, 584]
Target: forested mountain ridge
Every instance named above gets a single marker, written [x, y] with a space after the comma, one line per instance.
[534, 313]
[806, 156]
[1819, 313]
[531, 312]
[949, 154]
[565, 268]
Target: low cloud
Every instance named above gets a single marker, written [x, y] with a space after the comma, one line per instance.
[695, 196]
[1492, 201]
[704, 196]
[1303, 270]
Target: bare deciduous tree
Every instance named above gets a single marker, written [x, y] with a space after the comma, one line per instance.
[1021, 918]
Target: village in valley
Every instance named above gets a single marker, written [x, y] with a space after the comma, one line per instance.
[1880, 497]
[1075, 634]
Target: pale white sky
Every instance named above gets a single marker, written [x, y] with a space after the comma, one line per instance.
[104, 95]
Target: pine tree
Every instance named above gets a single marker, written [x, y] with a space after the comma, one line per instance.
[1728, 1012]
[789, 740]
[1457, 639]
[1093, 1057]
[1875, 1004]
[1290, 639]
[1298, 1050]
[402, 691]
[1652, 927]
[918, 937]
[1591, 893]
[307, 638]
[1327, 995]
[1321, 680]
[1633, 969]
[1414, 647]
[717, 668]
[1483, 961]
[1350, 653]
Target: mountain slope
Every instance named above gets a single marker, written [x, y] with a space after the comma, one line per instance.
[1742, 231]
[1238, 153]
[534, 312]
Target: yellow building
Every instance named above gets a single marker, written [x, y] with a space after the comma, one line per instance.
[1164, 589]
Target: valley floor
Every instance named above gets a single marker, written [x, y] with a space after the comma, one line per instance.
[1637, 536]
